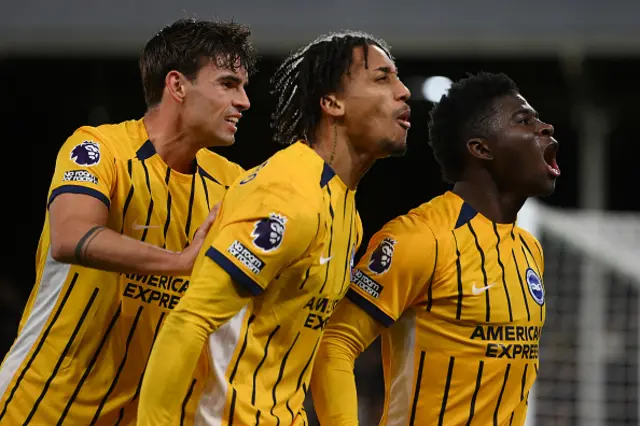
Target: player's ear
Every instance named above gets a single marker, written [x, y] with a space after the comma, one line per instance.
[175, 85]
[479, 148]
[332, 106]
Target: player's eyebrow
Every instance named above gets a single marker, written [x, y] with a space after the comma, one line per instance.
[526, 111]
[387, 70]
[232, 78]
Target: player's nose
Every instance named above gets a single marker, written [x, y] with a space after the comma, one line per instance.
[546, 129]
[242, 100]
[403, 93]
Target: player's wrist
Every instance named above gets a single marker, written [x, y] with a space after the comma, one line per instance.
[183, 261]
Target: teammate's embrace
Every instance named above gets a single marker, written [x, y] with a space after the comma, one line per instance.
[279, 257]
[454, 287]
[120, 235]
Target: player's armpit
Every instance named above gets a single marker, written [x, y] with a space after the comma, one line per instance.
[349, 333]
[212, 300]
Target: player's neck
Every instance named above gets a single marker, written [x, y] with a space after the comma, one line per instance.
[486, 198]
[336, 151]
[174, 145]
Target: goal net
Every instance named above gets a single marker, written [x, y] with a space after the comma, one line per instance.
[589, 352]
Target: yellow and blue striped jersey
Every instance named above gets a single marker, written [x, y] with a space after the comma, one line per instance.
[86, 334]
[463, 301]
[286, 233]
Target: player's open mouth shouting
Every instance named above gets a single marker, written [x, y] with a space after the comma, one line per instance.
[549, 156]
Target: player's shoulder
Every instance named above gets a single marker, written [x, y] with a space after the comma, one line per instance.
[218, 167]
[526, 235]
[409, 229]
[436, 215]
[407, 224]
[530, 241]
[298, 164]
[296, 171]
[427, 223]
[121, 140]
[408, 237]
[445, 213]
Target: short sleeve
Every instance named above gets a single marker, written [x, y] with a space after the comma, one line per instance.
[395, 269]
[83, 166]
[262, 230]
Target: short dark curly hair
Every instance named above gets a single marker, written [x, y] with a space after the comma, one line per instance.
[462, 114]
[186, 45]
[309, 74]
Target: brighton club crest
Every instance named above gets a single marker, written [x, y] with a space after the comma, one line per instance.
[380, 260]
[268, 233]
[535, 286]
[86, 154]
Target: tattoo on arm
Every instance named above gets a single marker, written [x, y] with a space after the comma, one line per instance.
[83, 244]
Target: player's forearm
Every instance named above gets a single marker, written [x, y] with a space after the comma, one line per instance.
[212, 300]
[333, 375]
[170, 370]
[102, 248]
[350, 331]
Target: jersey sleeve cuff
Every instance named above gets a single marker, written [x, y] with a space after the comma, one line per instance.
[77, 189]
[370, 308]
[237, 274]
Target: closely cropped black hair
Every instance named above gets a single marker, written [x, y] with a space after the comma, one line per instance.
[186, 45]
[309, 74]
[462, 114]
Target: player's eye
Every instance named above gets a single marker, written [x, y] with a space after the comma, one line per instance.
[229, 84]
[383, 78]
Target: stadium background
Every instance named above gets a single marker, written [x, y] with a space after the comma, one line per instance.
[68, 63]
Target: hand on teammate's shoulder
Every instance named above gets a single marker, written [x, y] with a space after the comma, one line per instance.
[187, 257]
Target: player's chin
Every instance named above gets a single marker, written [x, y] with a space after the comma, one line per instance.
[545, 187]
[225, 140]
[395, 148]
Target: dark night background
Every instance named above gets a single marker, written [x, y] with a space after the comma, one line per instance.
[46, 99]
